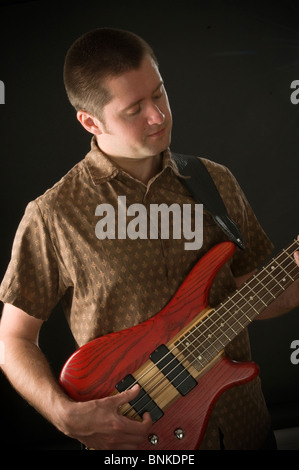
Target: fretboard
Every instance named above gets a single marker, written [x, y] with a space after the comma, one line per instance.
[203, 342]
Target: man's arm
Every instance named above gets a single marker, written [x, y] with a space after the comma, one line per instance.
[96, 423]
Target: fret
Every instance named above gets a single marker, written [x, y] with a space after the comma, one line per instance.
[234, 306]
[250, 300]
[282, 283]
[208, 338]
[194, 348]
[279, 274]
[229, 321]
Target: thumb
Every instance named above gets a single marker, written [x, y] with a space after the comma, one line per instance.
[127, 395]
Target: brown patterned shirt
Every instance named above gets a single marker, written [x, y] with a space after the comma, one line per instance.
[110, 284]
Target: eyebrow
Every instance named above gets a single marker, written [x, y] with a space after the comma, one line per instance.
[161, 83]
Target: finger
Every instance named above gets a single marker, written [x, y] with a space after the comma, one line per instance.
[147, 419]
[127, 395]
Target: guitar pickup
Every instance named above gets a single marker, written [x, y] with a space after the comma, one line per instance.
[143, 402]
[173, 370]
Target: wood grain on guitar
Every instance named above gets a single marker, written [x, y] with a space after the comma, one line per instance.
[177, 356]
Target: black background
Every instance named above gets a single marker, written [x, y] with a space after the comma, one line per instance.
[228, 68]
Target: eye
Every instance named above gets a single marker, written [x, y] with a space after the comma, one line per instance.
[159, 94]
[135, 110]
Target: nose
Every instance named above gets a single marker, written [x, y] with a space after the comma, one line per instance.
[155, 115]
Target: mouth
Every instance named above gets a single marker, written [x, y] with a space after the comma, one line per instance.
[159, 133]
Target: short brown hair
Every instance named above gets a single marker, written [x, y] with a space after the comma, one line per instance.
[98, 54]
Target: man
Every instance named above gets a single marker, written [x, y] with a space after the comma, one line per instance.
[109, 283]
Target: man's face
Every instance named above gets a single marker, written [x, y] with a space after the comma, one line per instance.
[137, 121]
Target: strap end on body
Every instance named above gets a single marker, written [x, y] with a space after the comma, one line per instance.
[230, 229]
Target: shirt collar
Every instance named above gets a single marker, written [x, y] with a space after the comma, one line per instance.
[102, 169]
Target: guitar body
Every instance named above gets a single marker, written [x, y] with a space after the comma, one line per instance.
[95, 369]
[191, 413]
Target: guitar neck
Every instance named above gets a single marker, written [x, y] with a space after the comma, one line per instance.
[207, 339]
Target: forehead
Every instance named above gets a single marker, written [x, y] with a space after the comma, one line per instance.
[135, 84]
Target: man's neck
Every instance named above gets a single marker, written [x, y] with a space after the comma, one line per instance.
[143, 169]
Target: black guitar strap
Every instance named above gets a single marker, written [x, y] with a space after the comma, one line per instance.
[204, 190]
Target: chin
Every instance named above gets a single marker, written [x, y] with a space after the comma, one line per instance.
[159, 147]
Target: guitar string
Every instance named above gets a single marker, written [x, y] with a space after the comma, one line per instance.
[173, 369]
[166, 384]
[215, 311]
[193, 330]
[169, 382]
[231, 299]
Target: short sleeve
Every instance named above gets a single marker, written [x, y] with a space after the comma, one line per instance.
[31, 281]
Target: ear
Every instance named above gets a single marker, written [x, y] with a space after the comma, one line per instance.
[90, 123]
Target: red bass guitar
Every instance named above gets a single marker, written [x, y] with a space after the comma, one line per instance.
[177, 356]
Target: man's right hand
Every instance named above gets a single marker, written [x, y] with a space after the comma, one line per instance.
[99, 425]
